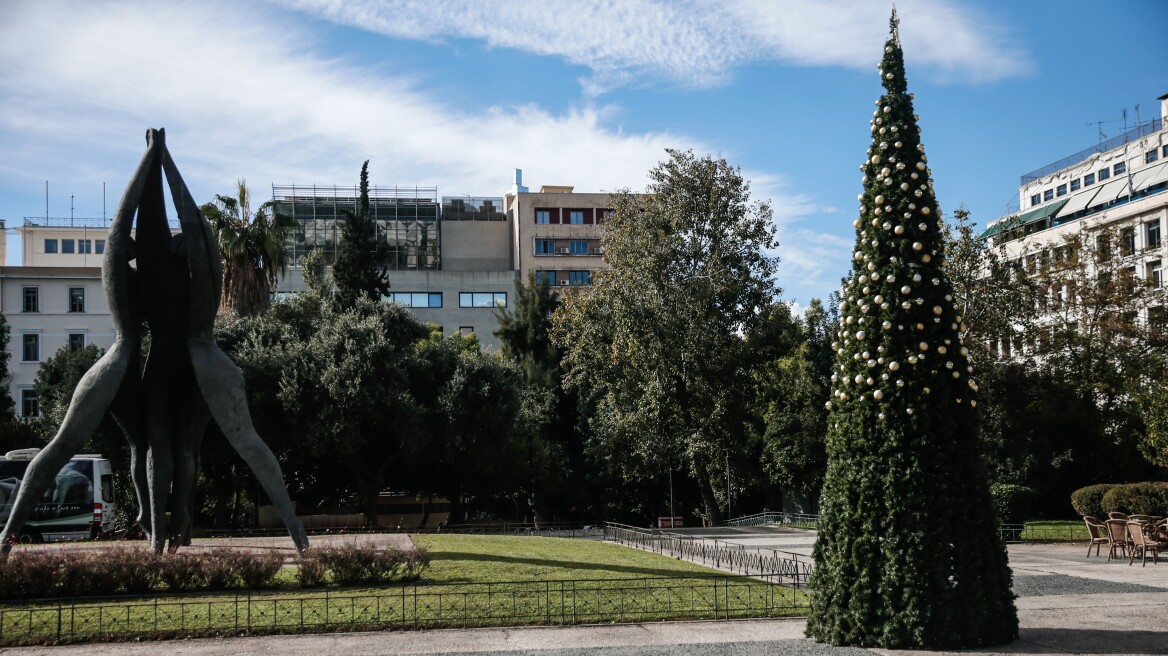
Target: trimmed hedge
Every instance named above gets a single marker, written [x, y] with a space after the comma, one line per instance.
[1011, 502]
[1138, 499]
[140, 571]
[1089, 500]
[1148, 498]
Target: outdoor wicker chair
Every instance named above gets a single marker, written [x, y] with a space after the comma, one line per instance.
[1097, 532]
[1117, 538]
[1116, 515]
[1142, 543]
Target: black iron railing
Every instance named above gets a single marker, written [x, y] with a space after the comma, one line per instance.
[415, 606]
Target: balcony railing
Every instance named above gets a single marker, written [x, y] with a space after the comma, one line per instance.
[1154, 125]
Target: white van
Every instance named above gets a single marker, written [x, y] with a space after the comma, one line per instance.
[79, 505]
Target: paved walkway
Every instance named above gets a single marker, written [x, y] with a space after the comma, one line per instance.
[1068, 603]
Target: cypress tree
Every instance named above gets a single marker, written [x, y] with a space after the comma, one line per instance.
[359, 271]
[908, 553]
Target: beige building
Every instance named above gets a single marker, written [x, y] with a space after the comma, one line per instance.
[62, 242]
[557, 233]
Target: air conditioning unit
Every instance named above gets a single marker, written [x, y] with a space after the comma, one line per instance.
[598, 250]
[564, 251]
[564, 283]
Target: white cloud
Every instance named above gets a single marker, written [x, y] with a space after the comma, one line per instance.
[242, 94]
[695, 42]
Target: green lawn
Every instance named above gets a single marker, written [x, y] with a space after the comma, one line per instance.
[1055, 530]
[481, 558]
[472, 581]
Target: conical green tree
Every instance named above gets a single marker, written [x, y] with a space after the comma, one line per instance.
[908, 553]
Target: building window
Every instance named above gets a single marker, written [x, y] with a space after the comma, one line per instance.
[1035, 199]
[85, 246]
[76, 299]
[67, 246]
[549, 276]
[1152, 232]
[545, 246]
[50, 245]
[1088, 179]
[579, 277]
[1103, 247]
[576, 217]
[29, 405]
[32, 299]
[1104, 174]
[543, 217]
[1120, 168]
[31, 347]
[578, 246]
[1164, 151]
[1155, 274]
[418, 299]
[99, 246]
[1047, 195]
[1127, 241]
[76, 341]
[466, 331]
[1075, 184]
[605, 214]
[482, 299]
[1151, 156]
[1061, 190]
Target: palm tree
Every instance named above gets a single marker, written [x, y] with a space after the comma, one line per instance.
[252, 248]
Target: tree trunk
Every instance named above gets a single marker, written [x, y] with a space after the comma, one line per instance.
[713, 513]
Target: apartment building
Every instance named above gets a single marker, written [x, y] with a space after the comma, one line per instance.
[556, 232]
[49, 308]
[1112, 199]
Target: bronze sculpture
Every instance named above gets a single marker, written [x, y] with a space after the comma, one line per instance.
[187, 380]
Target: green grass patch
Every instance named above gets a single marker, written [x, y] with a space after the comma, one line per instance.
[472, 581]
[482, 558]
[1056, 530]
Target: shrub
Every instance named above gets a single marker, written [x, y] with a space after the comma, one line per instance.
[182, 571]
[1011, 502]
[416, 562]
[1138, 499]
[313, 571]
[1089, 500]
[258, 570]
[137, 569]
[219, 566]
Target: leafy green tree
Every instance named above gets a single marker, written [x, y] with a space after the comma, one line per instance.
[359, 271]
[554, 449]
[792, 390]
[908, 553]
[252, 248]
[657, 340]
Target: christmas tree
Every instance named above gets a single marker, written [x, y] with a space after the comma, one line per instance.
[908, 553]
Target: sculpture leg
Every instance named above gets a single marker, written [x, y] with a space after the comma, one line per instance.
[186, 474]
[159, 468]
[221, 383]
[91, 399]
[126, 412]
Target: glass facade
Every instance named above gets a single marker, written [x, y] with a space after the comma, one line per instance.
[407, 220]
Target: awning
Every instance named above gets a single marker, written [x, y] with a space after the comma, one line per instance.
[1151, 176]
[1110, 192]
[1027, 217]
[1079, 201]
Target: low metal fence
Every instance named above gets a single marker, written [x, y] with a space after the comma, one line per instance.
[417, 606]
[781, 567]
[771, 518]
[1011, 533]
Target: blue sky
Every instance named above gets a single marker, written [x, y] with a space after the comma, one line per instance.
[457, 94]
